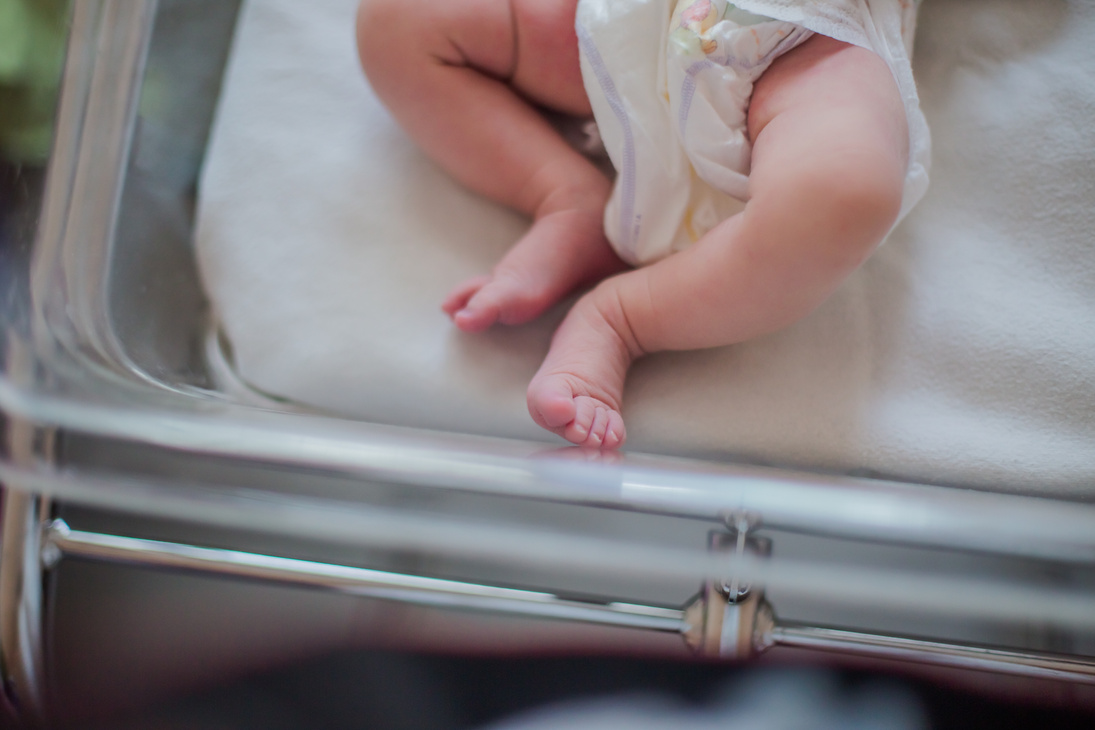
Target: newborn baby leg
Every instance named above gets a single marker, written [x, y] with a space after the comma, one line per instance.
[830, 150]
[462, 79]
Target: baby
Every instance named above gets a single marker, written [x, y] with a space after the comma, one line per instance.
[829, 154]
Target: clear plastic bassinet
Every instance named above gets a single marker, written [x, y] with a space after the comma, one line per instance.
[119, 449]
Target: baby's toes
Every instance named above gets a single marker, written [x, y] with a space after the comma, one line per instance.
[615, 433]
[599, 428]
[551, 403]
[594, 425]
[577, 431]
[483, 309]
[458, 297]
[485, 300]
[607, 429]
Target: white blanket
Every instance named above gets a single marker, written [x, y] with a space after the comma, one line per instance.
[962, 353]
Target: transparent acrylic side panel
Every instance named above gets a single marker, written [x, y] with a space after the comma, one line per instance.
[30, 76]
[156, 304]
[102, 281]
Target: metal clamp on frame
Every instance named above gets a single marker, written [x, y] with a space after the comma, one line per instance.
[731, 619]
[723, 620]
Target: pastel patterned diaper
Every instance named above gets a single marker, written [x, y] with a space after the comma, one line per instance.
[670, 83]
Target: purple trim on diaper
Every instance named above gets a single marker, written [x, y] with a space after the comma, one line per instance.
[629, 226]
[688, 91]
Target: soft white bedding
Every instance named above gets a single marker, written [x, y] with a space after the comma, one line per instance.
[962, 353]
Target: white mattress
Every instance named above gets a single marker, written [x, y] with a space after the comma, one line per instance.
[962, 353]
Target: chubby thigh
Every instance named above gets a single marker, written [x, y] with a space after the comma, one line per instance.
[531, 44]
[546, 66]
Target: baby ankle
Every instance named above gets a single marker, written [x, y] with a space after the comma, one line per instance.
[610, 308]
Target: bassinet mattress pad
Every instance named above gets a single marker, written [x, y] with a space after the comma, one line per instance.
[962, 353]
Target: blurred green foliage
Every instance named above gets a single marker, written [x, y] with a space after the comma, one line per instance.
[32, 46]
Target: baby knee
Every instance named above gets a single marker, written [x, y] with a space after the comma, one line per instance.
[851, 199]
[833, 209]
[866, 196]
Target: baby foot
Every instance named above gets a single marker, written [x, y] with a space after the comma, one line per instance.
[559, 405]
[578, 390]
[561, 251]
[484, 300]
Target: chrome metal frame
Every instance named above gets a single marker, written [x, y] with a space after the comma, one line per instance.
[711, 624]
[21, 616]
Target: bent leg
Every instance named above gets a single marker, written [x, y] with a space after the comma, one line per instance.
[456, 76]
[829, 161]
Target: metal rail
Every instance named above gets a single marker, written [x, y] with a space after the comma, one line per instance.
[737, 631]
[841, 507]
[981, 658]
[434, 592]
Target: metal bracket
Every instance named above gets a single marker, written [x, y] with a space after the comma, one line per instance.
[732, 620]
[722, 620]
[739, 524]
